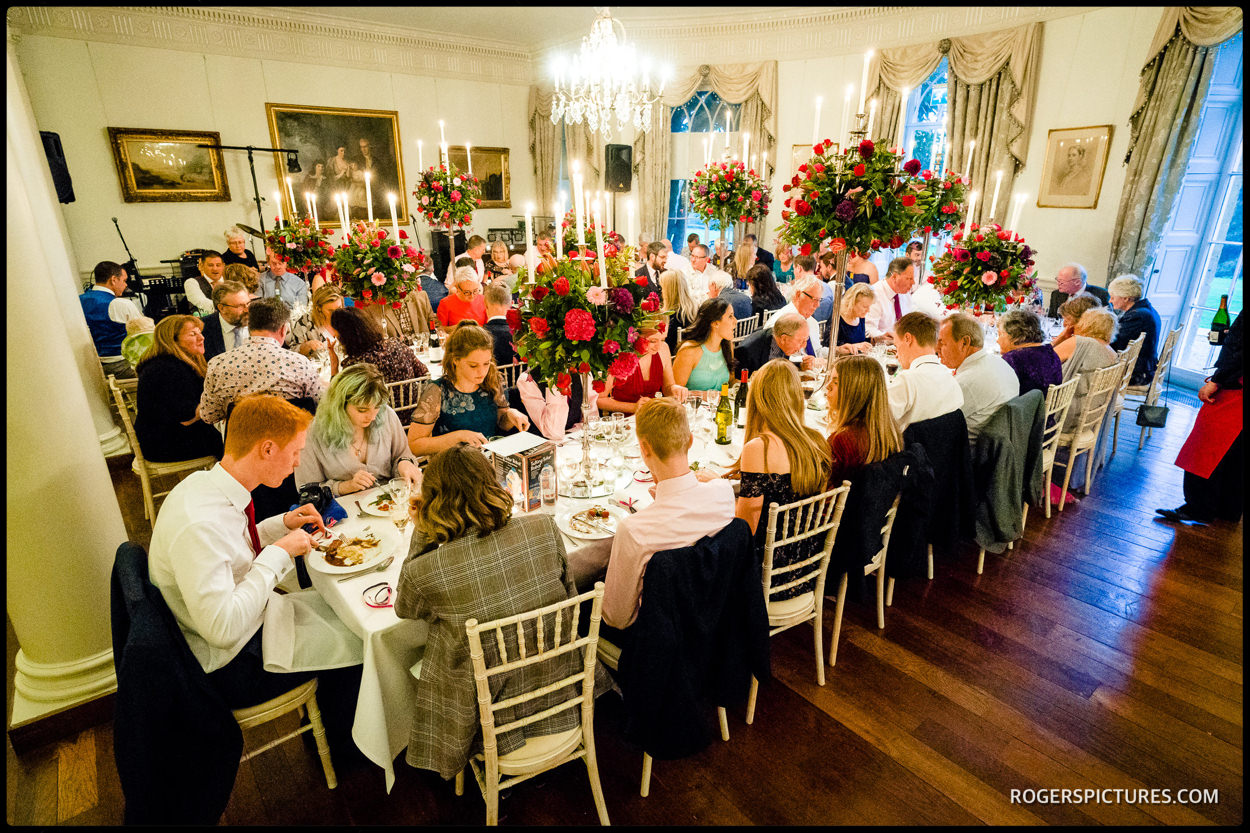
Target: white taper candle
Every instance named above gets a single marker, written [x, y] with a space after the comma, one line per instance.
[816, 122]
[998, 180]
[369, 195]
[390, 198]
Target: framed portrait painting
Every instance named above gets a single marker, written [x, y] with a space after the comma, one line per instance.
[490, 165]
[337, 147]
[1076, 158]
[169, 165]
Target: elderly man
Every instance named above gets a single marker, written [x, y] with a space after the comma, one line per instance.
[226, 328]
[1137, 316]
[923, 388]
[1072, 279]
[199, 289]
[692, 240]
[786, 338]
[260, 365]
[498, 300]
[656, 258]
[720, 285]
[805, 300]
[276, 281]
[107, 313]
[891, 299]
[986, 381]
[465, 300]
[676, 261]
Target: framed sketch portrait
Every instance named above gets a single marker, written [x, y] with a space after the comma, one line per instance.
[168, 165]
[1076, 158]
[337, 146]
[490, 165]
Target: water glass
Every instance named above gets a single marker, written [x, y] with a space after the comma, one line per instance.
[398, 487]
[620, 431]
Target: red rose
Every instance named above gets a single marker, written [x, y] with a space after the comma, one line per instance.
[803, 208]
[895, 242]
[823, 233]
[366, 293]
[946, 186]
[785, 187]
[876, 201]
[908, 200]
[563, 381]
[803, 168]
[820, 169]
[514, 319]
[539, 292]
[818, 149]
[396, 305]
[584, 367]
[876, 244]
[539, 327]
[1006, 273]
[641, 345]
[983, 256]
[837, 244]
[642, 281]
[859, 170]
[815, 195]
[599, 386]
[403, 235]
[785, 216]
[560, 286]
[805, 249]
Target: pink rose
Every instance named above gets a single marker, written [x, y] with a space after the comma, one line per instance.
[611, 347]
[989, 278]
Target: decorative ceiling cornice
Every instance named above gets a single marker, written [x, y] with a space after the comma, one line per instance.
[302, 36]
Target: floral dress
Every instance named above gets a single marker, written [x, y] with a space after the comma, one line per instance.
[776, 488]
[448, 409]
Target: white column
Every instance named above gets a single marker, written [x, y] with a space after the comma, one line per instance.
[50, 236]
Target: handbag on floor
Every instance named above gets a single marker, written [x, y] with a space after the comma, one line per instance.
[1155, 416]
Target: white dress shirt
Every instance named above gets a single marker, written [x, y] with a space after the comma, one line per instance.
[678, 263]
[121, 310]
[987, 383]
[201, 560]
[227, 334]
[925, 390]
[924, 298]
[813, 328]
[880, 318]
[191, 288]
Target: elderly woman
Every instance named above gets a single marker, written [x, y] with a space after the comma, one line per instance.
[1071, 311]
[465, 301]
[171, 381]
[356, 440]
[1137, 316]
[1088, 350]
[783, 263]
[1024, 347]
[362, 341]
[852, 337]
[236, 249]
[496, 263]
[470, 558]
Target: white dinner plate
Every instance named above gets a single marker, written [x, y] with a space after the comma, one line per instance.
[370, 508]
[564, 521]
[385, 531]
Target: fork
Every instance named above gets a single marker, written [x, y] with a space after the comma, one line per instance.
[376, 569]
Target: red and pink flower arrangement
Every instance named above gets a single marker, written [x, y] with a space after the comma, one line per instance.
[446, 197]
[302, 245]
[984, 271]
[728, 193]
[612, 241]
[374, 270]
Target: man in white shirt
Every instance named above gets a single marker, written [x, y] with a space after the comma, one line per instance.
[107, 313]
[891, 298]
[675, 261]
[987, 382]
[923, 388]
[684, 510]
[805, 299]
[199, 290]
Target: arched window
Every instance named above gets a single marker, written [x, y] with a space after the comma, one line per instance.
[708, 114]
[926, 117]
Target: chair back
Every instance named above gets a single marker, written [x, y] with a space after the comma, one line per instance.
[824, 330]
[126, 412]
[745, 327]
[1161, 369]
[878, 560]
[1058, 399]
[796, 522]
[1129, 356]
[1103, 387]
[405, 394]
[681, 334]
[527, 639]
[130, 391]
[512, 372]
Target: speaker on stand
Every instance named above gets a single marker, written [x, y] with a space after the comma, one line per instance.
[618, 173]
[56, 164]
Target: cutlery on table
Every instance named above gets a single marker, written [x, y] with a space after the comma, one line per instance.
[379, 568]
[629, 506]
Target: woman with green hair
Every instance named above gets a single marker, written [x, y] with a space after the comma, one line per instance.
[356, 441]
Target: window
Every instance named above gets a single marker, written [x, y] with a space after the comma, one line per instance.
[702, 117]
[925, 127]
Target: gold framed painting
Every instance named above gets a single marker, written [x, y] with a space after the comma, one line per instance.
[1076, 159]
[337, 146]
[490, 165]
[169, 165]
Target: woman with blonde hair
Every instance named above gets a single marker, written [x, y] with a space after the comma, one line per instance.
[783, 263]
[311, 332]
[1088, 350]
[862, 429]
[467, 404]
[856, 301]
[743, 260]
[495, 263]
[1071, 311]
[245, 275]
[678, 304]
[171, 381]
[782, 459]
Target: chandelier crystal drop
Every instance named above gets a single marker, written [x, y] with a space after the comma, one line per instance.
[605, 82]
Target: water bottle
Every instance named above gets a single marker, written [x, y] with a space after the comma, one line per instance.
[547, 481]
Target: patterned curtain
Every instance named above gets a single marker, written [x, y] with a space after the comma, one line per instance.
[544, 148]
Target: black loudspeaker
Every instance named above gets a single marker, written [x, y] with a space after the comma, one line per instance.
[441, 254]
[618, 172]
[56, 163]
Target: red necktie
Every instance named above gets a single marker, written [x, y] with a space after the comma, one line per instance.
[898, 309]
[250, 512]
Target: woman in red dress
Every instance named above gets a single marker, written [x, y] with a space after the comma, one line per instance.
[654, 375]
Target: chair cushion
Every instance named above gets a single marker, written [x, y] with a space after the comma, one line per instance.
[786, 608]
[540, 750]
[1087, 438]
[609, 654]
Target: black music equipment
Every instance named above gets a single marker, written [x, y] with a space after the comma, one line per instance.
[618, 172]
[56, 163]
[134, 284]
[164, 296]
[441, 255]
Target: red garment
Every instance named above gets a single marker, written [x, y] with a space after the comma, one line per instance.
[452, 310]
[252, 532]
[1217, 426]
[635, 387]
[850, 455]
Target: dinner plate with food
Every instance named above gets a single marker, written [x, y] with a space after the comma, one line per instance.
[380, 505]
[353, 545]
[593, 523]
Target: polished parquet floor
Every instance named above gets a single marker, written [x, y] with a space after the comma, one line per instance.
[1105, 652]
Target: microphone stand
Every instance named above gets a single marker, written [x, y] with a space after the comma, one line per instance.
[133, 281]
[251, 163]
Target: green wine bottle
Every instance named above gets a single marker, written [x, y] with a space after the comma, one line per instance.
[724, 416]
[1220, 323]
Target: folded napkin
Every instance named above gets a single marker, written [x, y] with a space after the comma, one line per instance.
[302, 633]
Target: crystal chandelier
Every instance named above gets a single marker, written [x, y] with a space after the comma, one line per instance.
[604, 78]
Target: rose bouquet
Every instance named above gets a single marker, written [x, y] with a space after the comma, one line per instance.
[446, 197]
[728, 193]
[986, 270]
[374, 270]
[940, 202]
[612, 242]
[302, 245]
[568, 322]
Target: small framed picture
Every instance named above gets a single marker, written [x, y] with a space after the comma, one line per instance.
[1076, 158]
[490, 166]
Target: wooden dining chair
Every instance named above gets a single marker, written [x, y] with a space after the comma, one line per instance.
[536, 636]
[145, 469]
[1129, 356]
[876, 565]
[303, 700]
[1149, 394]
[1083, 439]
[512, 372]
[1058, 400]
[789, 525]
[404, 396]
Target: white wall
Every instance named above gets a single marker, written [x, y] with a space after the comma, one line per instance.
[80, 88]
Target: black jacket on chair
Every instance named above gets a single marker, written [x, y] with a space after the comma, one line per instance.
[175, 742]
[1007, 469]
[1137, 319]
[700, 635]
[945, 441]
[214, 341]
[753, 351]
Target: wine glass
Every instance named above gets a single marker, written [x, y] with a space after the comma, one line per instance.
[619, 429]
[399, 491]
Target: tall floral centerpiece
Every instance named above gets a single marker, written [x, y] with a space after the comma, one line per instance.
[613, 243]
[304, 246]
[985, 270]
[583, 316]
[374, 271]
[447, 199]
[727, 193]
[940, 201]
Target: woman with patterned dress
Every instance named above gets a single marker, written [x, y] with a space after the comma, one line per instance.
[362, 341]
[468, 403]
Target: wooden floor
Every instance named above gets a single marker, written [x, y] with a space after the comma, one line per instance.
[1106, 652]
